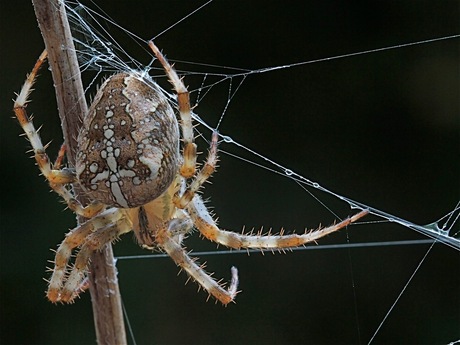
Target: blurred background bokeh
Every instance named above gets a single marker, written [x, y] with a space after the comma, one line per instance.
[381, 128]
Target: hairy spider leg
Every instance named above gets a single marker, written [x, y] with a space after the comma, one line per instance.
[57, 178]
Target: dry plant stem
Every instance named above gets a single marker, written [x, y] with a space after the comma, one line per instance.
[105, 294]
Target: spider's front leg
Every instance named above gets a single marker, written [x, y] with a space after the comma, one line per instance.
[90, 236]
[165, 239]
[208, 228]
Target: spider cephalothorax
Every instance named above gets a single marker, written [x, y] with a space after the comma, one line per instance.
[129, 164]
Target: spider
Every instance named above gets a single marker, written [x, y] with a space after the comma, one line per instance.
[130, 162]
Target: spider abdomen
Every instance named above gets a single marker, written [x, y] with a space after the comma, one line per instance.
[128, 150]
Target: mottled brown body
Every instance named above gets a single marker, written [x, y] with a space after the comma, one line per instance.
[128, 150]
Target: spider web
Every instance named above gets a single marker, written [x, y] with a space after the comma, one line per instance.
[105, 47]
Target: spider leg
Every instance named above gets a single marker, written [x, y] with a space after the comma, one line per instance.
[165, 240]
[57, 178]
[206, 225]
[91, 236]
[60, 158]
[205, 172]
[188, 167]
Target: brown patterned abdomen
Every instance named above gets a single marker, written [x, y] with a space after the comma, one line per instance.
[128, 150]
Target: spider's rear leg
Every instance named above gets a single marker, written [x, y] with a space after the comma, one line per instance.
[205, 172]
[56, 177]
[60, 158]
[206, 225]
[91, 235]
[188, 168]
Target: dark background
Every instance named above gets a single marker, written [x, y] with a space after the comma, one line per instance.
[381, 128]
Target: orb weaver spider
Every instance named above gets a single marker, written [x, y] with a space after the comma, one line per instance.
[131, 164]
